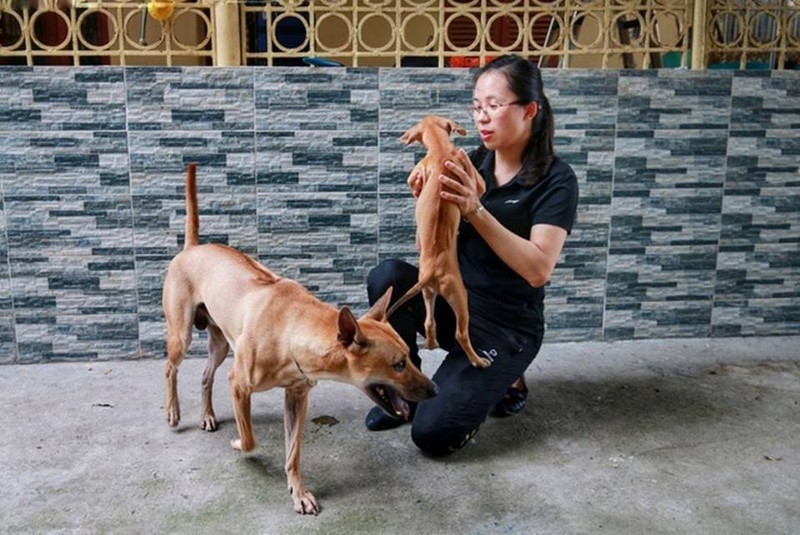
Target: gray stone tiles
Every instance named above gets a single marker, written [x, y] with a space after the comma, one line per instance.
[758, 266]
[43, 98]
[317, 161]
[328, 240]
[584, 105]
[666, 201]
[189, 98]
[70, 250]
[8, 345]
[688, 220]
[316, 99]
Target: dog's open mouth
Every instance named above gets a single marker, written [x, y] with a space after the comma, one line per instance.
[389, 400]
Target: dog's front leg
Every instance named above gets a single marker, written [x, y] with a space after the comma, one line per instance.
[294, 417]
[241, 392]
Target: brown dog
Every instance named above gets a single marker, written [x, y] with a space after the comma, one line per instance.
[282, 336]
[437, 226]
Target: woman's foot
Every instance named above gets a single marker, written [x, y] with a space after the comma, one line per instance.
[514, 401]
[379, 420]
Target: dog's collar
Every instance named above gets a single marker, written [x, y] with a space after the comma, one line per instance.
[310, 381]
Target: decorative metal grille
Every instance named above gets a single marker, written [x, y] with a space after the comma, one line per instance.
[599, 33]
[52, 32]
[754, 34]
[440, 33]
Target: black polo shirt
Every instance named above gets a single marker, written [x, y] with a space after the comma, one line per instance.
[552, 200]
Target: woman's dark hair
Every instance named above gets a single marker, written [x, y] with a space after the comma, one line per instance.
[525, 81]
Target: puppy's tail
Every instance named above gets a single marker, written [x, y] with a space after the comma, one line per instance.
[192, 218]
[414, 290]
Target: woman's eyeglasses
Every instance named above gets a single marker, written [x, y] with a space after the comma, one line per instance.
[491, 110]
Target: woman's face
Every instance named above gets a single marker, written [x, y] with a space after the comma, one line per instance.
[502, 123]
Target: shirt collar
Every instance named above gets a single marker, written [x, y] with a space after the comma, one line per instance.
[486, 170]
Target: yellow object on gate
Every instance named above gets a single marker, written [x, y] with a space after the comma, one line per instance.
[161, 10]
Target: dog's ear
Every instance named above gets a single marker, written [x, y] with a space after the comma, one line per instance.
[349, 331]
[377, 311]
[455, 127]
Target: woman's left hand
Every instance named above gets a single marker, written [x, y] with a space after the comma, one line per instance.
[463, 189]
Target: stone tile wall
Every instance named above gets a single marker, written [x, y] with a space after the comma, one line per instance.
[689, 222]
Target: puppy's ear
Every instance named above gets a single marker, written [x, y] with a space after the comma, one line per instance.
[457, 128]
[349, 331]
[377, 311]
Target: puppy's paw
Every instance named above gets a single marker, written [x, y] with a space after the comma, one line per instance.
[430, 338]
[236, 444]
[305, 503]
[480, 362]
[431, 343]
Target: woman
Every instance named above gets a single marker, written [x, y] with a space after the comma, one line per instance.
[508, 245]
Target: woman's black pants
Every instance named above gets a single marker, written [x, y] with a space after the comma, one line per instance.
[509, 337]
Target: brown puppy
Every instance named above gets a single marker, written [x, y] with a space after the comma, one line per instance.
[282, 336]
[437, 226]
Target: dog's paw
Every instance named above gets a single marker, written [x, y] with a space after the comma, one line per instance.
[244, 447]
[431, 344]
[305, 503]
[209, 423]
[173, 417]
[480, 362]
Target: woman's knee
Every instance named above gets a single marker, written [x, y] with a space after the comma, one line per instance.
[439, 441]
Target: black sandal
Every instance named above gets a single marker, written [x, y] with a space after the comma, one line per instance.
[514, 400]
[379, 420]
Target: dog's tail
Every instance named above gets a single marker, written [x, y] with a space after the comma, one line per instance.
[414, 290]
[192, 218]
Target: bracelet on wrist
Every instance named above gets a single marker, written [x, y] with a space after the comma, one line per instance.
[471, 213]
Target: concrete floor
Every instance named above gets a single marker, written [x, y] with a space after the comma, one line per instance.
[646, 437]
